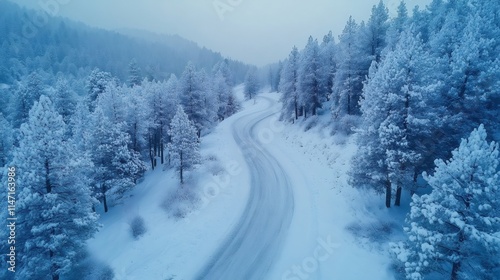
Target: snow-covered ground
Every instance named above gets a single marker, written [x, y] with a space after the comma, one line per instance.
[331, 233]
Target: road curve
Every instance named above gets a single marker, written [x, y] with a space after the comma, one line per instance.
[255, 242]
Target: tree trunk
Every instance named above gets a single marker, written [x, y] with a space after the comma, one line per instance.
[181, 167]
[104, 201]
[398, 196]
[151, 157]
[162, 148]
[388, 193]
[48, 186]
[296, 108]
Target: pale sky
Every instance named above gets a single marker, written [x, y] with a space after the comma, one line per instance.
[253, 31]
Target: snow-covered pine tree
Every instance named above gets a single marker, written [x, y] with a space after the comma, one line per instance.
[134, 74]
[210, 101]
[223, 67]
[310, 94]
[222, 90]
[289, 87]
[116, 166]
[251, 83]
[396, 27]
[411, 118]
[184, 147]
[96, 84]
[368, 167]
[30, 90]
[192, 96]
[138, 116]
[54, 207]
[348, 83]
[64, 99]
[455, 230]
[328, 66]
[6, 142]
[376, 32]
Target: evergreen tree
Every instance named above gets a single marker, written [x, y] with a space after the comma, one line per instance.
[369, 167]
[65, 99]
[455, 229]
[328, 65]
[134, 74]
[376, 31]
[192, 96]
[29, 91]
[6, 142]
[184, 147]
[310, 78]
[54, 206]
[251, 84]
[412, 114]
[97, 82]
[348, 84]
[116, 166]
[289, 87]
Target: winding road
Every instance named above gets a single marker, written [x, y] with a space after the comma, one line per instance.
[253, 245]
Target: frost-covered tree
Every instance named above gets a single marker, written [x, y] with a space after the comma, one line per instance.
[455, 230]
[192, 96]
[184, 147]
[251, 84]
[6, 141]
[376, 31]
[368, 167]
[162, 99]
[137, 117]
[54, 206]
[397, 26]
[289, 87]
[134, 74]
[413, 114]
[328, 65]
[223, 68]
[30, 90]
[97, 82]
[210, 101]
[310, 78]
[348, 83]
[64, 99]
[116, 166]
[226, 101]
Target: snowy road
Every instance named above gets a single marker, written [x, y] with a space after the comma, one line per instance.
[256, 241]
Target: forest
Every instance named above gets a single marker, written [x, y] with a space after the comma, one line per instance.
[85, 113]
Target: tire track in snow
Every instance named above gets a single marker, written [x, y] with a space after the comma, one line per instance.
[256, 241]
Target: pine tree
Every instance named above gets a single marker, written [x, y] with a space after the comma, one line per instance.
[455, 229]
[348, 83]
[30, 91]
[97, 83]
[328, 55]
[251, 84]
[289, 87]
[369, 168]
[192, 96]
[310, 78]
[65, 99]
[376, 31]
[6, 142]
[54, 205]
[116, 166]
[134, 74]
[184, 147]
